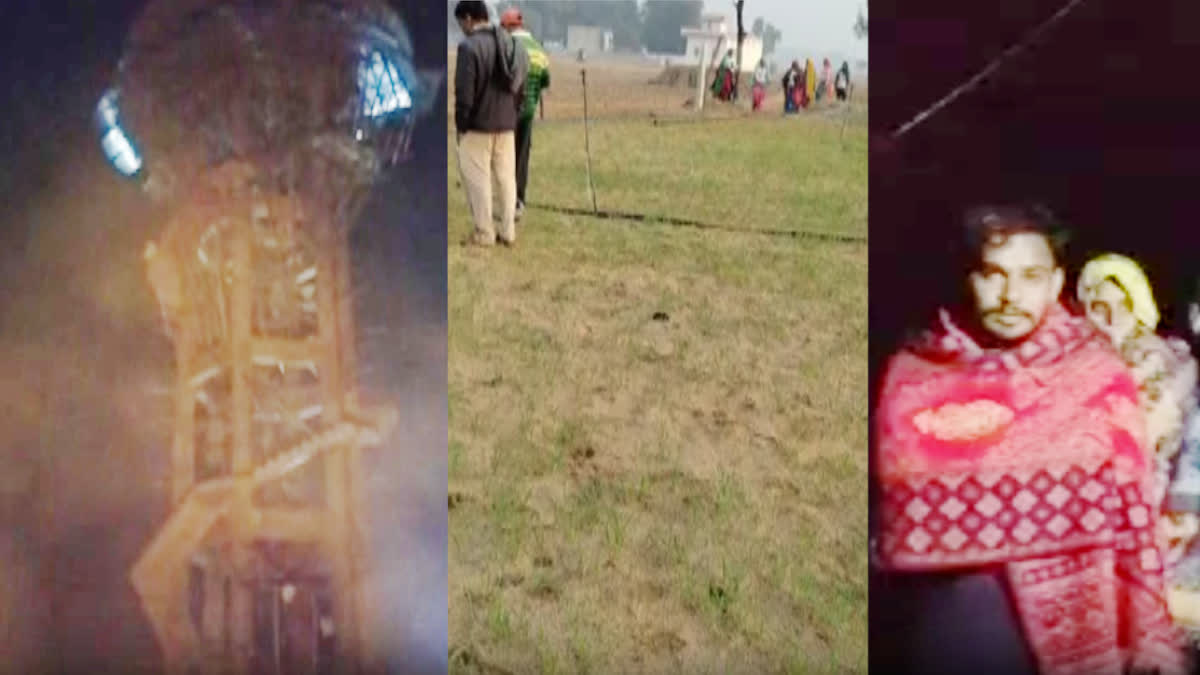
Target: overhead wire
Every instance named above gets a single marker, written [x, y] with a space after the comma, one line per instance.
[992, 66]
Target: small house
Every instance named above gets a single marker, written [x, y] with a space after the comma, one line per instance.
[716, 34]
[589, 39]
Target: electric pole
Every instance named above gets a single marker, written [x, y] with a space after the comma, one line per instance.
[741, 36]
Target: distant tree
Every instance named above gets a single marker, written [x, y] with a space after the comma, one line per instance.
[771, 37]
[627, 31]
[860, 25]
[663, 19]
[768, 33]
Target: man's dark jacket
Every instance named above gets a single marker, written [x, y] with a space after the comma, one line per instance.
[482, 99]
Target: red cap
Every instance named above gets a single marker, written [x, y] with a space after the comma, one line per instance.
[511, 18]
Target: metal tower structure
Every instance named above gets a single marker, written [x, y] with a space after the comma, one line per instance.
[259, 128]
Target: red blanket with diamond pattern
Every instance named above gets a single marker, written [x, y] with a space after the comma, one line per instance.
[1032, 458]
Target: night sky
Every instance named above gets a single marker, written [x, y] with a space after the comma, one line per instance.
[1097, 120]
[84, 425]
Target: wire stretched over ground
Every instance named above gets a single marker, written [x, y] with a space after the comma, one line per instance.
[698, 119]
[992, 66]
[835, 111]
[671, 120]
[605, 214]
[651, 118]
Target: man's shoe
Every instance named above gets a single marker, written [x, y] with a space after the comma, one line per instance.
[477, 239]
[520, 210]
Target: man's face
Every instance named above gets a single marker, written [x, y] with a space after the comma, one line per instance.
[1016, 284]
[466, 24]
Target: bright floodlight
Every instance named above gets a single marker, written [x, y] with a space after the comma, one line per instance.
[113, 140]
[383, 91]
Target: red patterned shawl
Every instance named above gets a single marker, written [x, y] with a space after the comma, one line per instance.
[1031, 457]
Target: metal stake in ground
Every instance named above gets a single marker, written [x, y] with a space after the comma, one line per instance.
[587, 143]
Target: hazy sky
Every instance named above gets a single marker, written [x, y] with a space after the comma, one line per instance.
[817, 25]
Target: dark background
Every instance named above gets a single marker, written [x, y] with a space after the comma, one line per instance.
[84, 419]
[1098, 120]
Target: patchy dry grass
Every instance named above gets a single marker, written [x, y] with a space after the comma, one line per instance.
[759, 173]
[684, 493]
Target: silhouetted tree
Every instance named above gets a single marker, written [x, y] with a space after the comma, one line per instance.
[769, 34]
[662, 21]
[860, 25]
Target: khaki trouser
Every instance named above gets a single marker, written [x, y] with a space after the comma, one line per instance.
[481, 157]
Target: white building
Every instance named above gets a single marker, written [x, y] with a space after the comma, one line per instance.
[715, 35]
[589, 39]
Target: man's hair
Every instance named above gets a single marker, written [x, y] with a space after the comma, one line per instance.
[991, 225]
[476, 10]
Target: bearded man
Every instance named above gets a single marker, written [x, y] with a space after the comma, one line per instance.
[1015, 527]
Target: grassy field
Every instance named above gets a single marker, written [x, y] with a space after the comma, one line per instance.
[658, 434]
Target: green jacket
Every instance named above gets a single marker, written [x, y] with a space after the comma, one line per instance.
[539, 73]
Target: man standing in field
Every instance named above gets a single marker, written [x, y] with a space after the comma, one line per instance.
[489, 86]
[1015, 529]
[537, 81]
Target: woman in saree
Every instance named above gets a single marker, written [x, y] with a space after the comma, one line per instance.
[810, 83]
[1183, 495]
[793, 86]
[1118, 300]
[825, 86]
[722, 86]
[760, 84]
[841, 83]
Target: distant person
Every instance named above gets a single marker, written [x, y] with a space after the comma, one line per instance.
[826, 85]
[793, 87]
[810, 83]
[731, 73]
[760, 84]
[841, 83]
[537, 81]
[489, 87]
[819, 91]
[722, 86]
